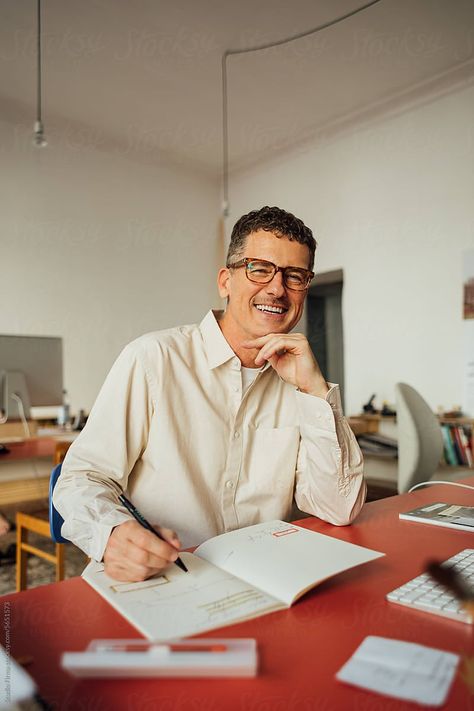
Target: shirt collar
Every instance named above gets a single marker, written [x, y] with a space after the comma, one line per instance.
[216, 347]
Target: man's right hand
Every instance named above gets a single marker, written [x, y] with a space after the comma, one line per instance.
[133, 554]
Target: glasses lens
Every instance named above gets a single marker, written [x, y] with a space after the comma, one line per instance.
[296, 279]
[260, 271]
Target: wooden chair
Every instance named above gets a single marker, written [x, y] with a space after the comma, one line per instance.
[35, 523]
[38, 523]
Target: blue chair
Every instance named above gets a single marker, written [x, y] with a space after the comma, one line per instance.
[55, 519]
[47, 524]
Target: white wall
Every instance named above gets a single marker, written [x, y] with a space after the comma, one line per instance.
[99, 248]
[392, 204]
[89, 237]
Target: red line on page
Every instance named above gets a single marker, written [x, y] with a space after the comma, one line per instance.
[285, 532]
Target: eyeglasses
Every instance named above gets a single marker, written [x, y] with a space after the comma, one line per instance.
[262, 272]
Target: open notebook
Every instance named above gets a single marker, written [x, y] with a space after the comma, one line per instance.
[232, 577]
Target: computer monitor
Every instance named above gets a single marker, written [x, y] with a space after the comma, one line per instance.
[31, 367]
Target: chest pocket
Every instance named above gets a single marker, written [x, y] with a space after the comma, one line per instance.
[269, 462]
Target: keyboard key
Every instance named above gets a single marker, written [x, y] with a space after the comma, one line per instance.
[452, 607]
[423, 593]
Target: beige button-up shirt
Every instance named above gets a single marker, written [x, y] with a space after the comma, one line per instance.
[172, 428]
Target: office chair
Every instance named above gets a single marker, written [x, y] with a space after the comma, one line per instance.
[55, 519]
[420, 440]
[45, 523]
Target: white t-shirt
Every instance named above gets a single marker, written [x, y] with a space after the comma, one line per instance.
[248, 376]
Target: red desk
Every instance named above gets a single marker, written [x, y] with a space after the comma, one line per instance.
[300, 649]
[30, 448]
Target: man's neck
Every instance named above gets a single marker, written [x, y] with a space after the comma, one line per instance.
[245, 355]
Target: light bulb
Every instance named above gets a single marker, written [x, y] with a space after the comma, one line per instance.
[39, 140]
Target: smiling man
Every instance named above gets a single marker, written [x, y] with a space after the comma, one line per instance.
[215, 426]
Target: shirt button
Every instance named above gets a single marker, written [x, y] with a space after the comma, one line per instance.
[236, 435]
[236, 388]
[318, 415]
[229, 484]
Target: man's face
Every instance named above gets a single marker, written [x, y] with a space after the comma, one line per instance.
[247, 315]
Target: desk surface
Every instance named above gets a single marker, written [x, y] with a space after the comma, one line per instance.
[301, 649]
[37, 447]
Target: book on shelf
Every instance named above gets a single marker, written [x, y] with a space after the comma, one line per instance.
[441, 514]
[379, 445]
[458, 444]
[466, 446]
[231, 578]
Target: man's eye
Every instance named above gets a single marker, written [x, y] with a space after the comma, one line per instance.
[295, 277]
[261, 269]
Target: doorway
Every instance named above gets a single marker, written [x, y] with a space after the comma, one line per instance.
[324, 325]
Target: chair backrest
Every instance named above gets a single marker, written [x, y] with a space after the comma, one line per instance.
[55, 519]
[420, 440]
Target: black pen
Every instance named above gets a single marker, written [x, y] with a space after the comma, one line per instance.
[454, 582]
[141, 520]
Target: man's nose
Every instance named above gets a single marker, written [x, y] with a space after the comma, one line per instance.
[276, 286]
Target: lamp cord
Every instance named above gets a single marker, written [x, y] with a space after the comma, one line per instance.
[38, 62]
[21, 410]
[432, 481]
[269, 45]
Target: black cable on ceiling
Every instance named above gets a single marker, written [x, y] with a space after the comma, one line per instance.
[269, 45]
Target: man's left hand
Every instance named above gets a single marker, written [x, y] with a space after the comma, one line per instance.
[291, 356]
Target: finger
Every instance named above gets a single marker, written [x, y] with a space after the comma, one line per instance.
[135, 554]
[170, 535]
[148, 549]
[130, 572]
[130, 537]
[262, 340]
[278, 347]
[144, 557]
[134, 563]
[257, 342]
[128, 557]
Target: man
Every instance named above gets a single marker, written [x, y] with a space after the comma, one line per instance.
[218, 426]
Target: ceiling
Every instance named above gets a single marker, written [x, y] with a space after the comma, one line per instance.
[146, 76]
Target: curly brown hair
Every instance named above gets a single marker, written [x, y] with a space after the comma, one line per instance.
[270, 219]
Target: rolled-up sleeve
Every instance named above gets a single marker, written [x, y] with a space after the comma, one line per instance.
[329, 477]
[97, 465]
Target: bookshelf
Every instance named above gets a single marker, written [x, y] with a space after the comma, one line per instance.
[458, 436]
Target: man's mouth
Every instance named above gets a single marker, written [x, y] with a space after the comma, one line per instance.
[267, 309]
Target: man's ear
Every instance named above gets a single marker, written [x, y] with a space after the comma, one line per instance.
[223, 282]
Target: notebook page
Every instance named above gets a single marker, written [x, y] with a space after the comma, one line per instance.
[282, 559]
[179, 604]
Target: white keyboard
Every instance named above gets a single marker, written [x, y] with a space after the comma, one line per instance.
[424, 593]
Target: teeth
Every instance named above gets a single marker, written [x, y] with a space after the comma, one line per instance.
[270, 309]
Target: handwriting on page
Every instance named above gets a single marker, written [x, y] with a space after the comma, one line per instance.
[150, 583]
[271, 531]
[230, 602]
[403, 670]
[177, 603]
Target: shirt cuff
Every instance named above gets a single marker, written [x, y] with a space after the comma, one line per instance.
[319, 412]
[93, 537]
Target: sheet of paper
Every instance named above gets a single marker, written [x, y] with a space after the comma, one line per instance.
[281, 559]
[403, 670]
[179, 604]
[15, 684]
